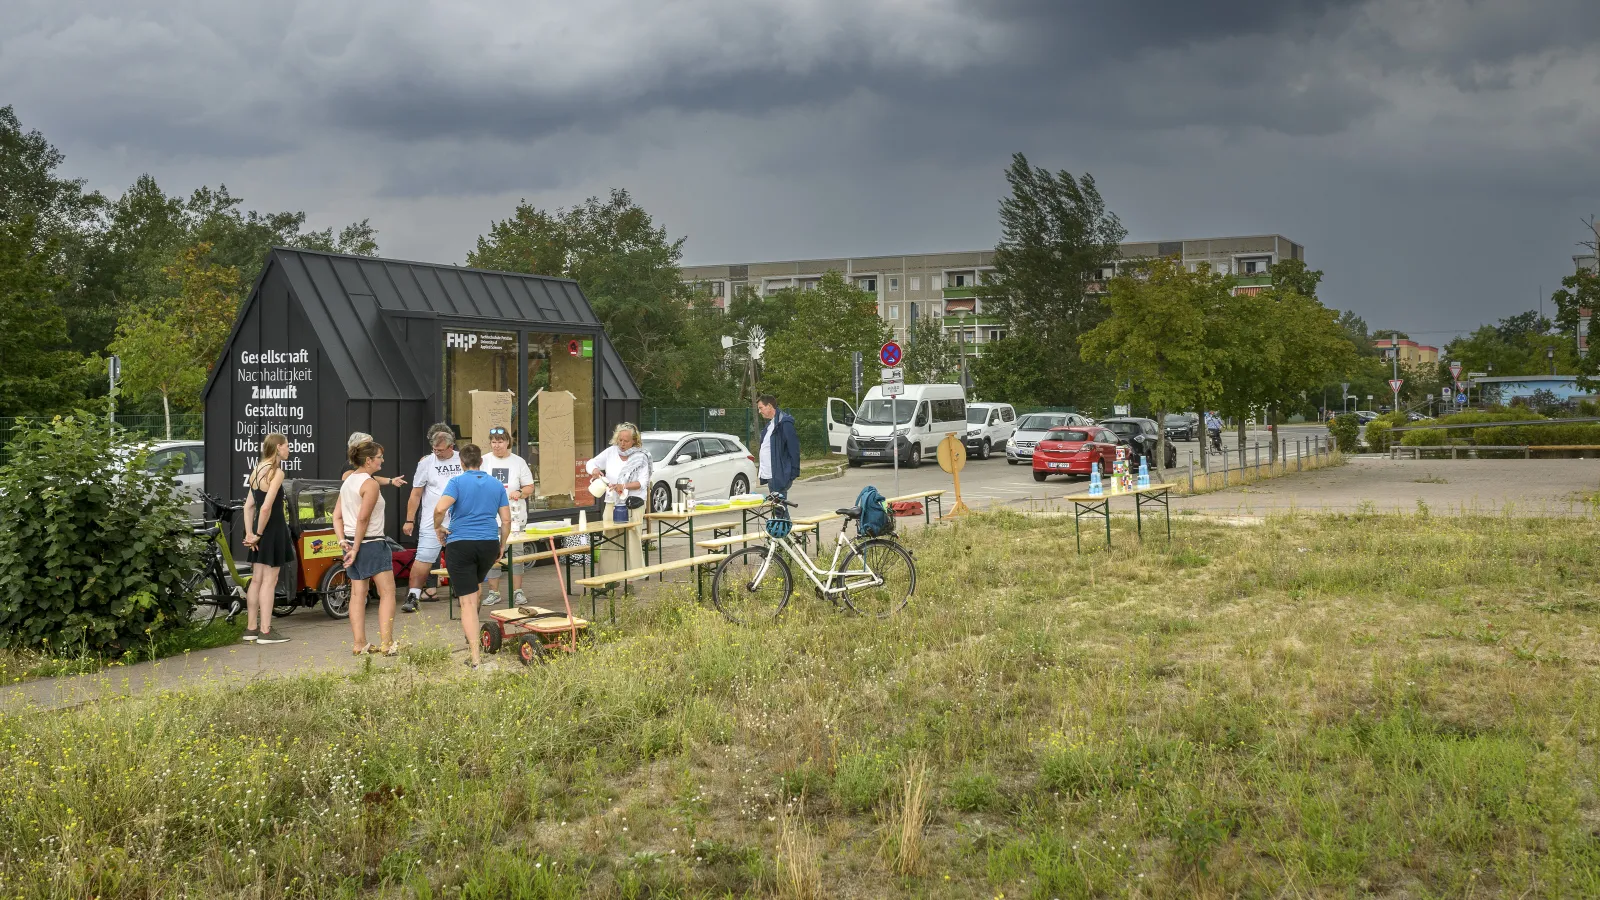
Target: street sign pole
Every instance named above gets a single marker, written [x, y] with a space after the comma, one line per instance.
[855, 376]
[114, 370]
[893, 380]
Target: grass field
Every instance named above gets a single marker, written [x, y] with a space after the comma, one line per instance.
[1307, 707]
[24, 665]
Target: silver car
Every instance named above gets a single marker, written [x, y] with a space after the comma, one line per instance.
[191, 459]
[1031, 430]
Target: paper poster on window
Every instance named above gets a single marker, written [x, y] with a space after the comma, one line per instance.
[489, 408]
[557, 456]
[275, 392]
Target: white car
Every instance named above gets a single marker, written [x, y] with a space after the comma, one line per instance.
[1031, 429]
[719, 465]
[989, 427]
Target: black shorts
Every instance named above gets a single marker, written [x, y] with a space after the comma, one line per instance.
[469, 562]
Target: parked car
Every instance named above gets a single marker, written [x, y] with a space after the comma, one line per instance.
[1182, 426]
[190, 457]
[910, 426]
[1074, 450]
[989, 427]
[719, 464]
[1365, 416]
[1032, 428]
[1141, 436]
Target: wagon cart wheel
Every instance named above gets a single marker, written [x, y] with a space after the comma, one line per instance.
[489, 637]
[529, 650]
[335, 592]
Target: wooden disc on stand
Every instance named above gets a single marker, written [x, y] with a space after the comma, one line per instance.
[952, 459]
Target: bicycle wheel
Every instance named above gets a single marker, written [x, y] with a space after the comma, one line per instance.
[879, 576]
[204, 593]
[747, 586]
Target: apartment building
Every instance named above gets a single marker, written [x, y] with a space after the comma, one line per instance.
[946, 286]
[1411, 352]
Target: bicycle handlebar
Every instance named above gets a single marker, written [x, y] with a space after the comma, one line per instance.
[779, 498]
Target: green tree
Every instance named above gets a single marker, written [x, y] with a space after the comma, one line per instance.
[1579, 291]
[39, 373]
[810, 360]
[158, 357]
[931, 357]
[1056, 236]
[628, 269]
[1159, 337]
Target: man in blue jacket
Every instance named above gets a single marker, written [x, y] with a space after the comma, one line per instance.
[780, 447]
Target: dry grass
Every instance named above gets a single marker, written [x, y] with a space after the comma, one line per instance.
[1356, 705]
[799, 865]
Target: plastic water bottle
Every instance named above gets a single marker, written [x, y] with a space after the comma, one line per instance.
[1095, 487]
[1144, 472]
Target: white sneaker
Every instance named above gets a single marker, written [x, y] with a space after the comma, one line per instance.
[492, 598]
[520, 599]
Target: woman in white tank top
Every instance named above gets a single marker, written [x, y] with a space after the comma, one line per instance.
[367, 560]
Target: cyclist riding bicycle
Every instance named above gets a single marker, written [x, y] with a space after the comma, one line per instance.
[1214, 430]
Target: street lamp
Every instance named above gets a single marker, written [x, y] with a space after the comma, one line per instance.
[1550, 354]
[961, 339]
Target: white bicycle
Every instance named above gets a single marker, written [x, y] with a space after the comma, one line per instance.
[876, 577]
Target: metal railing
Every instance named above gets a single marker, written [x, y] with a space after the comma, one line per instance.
[1245, 462]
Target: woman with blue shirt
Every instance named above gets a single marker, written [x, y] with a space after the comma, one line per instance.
[480, 528]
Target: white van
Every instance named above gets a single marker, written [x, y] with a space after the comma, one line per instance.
[922, 416]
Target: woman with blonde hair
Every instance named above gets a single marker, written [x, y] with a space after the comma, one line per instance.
[367, 560]
[625, 468]
[266, 535]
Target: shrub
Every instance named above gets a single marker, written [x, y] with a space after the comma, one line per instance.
[1440, 437]
[1379, 436]
[96, 549]
[1346, 430]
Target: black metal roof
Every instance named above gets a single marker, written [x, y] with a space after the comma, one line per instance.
[343, 295]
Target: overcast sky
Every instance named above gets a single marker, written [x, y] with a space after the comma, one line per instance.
[1434, 156]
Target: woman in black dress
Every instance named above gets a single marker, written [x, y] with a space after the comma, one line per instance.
[266, 534]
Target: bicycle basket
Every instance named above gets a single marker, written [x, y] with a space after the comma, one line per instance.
[779, 524]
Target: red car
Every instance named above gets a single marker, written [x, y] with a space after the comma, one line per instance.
[1072, 450]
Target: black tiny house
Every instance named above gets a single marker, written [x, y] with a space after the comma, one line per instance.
[328, 344]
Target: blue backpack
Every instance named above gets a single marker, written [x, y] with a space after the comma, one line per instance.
[875, 519]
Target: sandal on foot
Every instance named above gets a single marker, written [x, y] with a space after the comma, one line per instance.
[391, 649]
[363, 651]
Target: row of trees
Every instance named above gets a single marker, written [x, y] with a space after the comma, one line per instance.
[153, 277]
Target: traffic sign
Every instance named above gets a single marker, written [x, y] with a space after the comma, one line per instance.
[1344, 389]
[1461, 399]
[895, 373]
[893, 380]
[1444, 393]
[1394, 384]
[116, 370]
[1455, 371]
[893, 388]
[890, 355]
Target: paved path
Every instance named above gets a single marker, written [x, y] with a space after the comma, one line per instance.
[1518, 487]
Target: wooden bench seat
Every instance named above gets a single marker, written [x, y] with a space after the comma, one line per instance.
[737, 539]
[928, 497]
[607, 584]
[528, 557]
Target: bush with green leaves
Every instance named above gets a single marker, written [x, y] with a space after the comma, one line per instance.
[1346, 430]
[1379, 434]
[96, 549]
[1440, 437]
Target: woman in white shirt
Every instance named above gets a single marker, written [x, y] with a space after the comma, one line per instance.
[625, 468]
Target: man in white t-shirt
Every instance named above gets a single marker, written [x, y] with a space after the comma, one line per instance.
[510, 470]
[434, 471]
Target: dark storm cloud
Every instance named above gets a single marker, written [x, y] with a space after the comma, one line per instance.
[1373, 131]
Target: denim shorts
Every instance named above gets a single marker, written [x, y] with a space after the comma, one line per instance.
[374, 558]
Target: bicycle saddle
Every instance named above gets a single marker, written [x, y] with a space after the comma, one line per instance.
[850, 512]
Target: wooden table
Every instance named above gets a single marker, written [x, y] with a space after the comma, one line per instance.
[668, 523]
[1100, 505]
